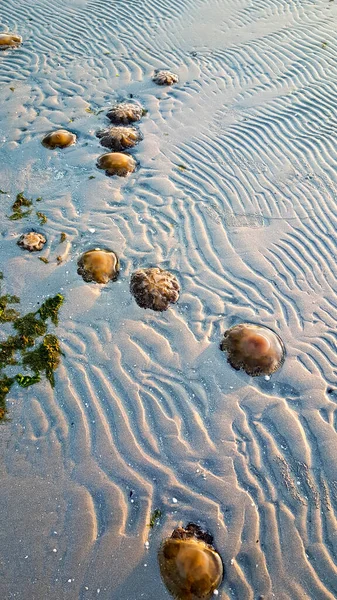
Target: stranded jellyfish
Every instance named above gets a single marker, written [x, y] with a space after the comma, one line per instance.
[119, 138]
[32, 241]
[254, 348]
[98, 265]
[189, 565]
[165, 78]
[9, 40]
[154, 288]
[61, 138]
[116, 163]
[125, 113]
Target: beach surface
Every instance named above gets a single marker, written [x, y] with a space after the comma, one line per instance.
[235, 193]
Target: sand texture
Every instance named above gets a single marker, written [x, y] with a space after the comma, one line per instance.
[235, 194]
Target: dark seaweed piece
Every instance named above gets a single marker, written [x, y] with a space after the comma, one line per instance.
[155, 518]
[8, 314]
[17, 207]
[42, 217]
[5, 386]
[45, 357]
[49, 309]
[63, 237]
[29, 328]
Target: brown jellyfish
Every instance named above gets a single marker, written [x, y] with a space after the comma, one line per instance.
[165, 78]
[189, 565]
[125, 113]
[61, 138]
[254, 348]
[32, 241]
[98, 265]
[9, 40]
[154, 288]
[116, 163]
[119, 138]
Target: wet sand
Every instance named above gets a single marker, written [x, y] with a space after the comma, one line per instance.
[235, 194]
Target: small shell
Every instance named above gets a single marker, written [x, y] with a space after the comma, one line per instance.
[165, 78]
[100, 266]
[125, 113]
[9, 40]
[255, 349]
[116, 163]
[190, 568]
[32, 241]
[119, 138]
[61, 138]
[154, 288]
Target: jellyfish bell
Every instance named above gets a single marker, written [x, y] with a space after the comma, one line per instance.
[98, 266]
[117, 163]
[125, 113]
[119, 138]
[32, 241]
[61, 138]
[165, 78]
[154, 288]
[255, 349]
[9, 40]
[189, 565]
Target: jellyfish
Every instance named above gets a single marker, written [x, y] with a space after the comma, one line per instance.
[32, 241]
[165, 78]
[119, 138]
[255, 349]
[125, 113]
[190, 566]
[117, 163]
[9, 40]
[154, 288]
[61, 138]
[98, 265]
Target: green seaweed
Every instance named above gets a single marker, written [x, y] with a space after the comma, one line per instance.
[2, 192]
[5, 386]
[45, 357]
[155, 518]
[8, 314]
[43, 259]
[63, 235]
[50, 308]
[20, 202]
[20, 349]
[42, 217]
[27, 380]
[29, 328]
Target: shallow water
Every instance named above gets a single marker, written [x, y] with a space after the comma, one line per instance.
[146, 412]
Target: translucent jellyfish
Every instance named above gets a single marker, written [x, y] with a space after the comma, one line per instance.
[32, 241]
[119, 138]
[98, 265]
[189, 565]
[125, 113]
[61, 138]
[165, 78]
[154, 288]
[9, 40]
[255, 349]
[116, 163]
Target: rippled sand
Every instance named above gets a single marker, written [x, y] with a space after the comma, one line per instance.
[236, 195]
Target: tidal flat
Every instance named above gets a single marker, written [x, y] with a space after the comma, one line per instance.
[232, 191]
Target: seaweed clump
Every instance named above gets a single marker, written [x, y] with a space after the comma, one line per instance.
[19, 349]
[20, 202]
